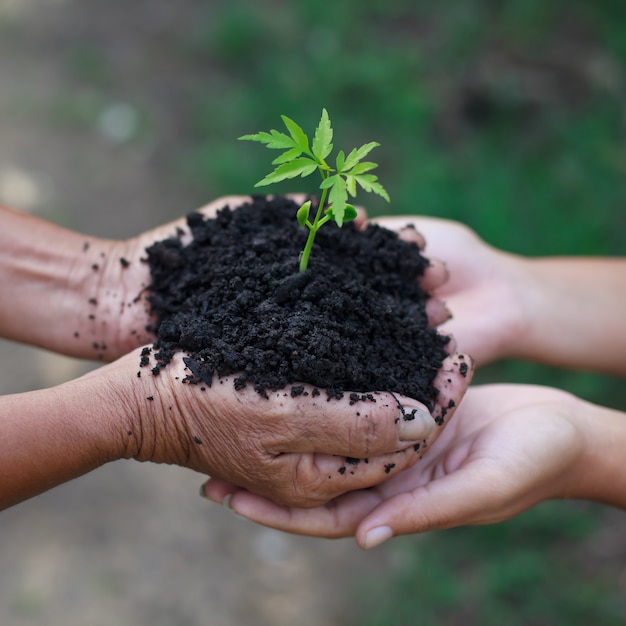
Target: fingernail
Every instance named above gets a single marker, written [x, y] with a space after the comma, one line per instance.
[415, 423]
[376, 536]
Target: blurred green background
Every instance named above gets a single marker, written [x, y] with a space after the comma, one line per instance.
[507, 115]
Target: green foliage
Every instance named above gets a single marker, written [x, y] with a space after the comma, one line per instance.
[302, 158]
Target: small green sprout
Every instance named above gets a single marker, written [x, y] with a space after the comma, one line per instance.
[302, 158]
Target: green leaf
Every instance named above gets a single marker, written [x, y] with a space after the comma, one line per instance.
[302, 214]
[369, 184]
[338, 198]
[340, 161]
[351, 185]
[350, 213]
[327, 183]
[361, 168]
[298, 135]
[322, 141]
[273, 139]
[357, 154]
[298, 167]
[290, 155]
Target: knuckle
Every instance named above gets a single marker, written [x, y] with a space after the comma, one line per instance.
[364, 434]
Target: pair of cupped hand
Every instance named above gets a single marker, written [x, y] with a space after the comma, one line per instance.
[332, 468]
[303, 451]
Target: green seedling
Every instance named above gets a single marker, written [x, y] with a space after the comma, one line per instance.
[302, 158]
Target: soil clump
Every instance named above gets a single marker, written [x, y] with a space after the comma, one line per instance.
[235, 303]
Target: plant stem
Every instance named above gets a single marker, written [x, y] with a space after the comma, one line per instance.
[313, 228]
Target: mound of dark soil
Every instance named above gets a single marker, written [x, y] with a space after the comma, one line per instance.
[235, 302]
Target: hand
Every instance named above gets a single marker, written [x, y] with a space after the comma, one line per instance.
[113, 276]
[508, 448]
[302, 451]
[481, 280]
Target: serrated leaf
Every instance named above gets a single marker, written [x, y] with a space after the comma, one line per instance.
[357, 154]
[302, 214]
[298, 135]
[369, 183]
[298, 167]
[274, 139]
[322, 141]
[327, 183]
[338, 198]
[351, 185]
[290, 155]
[362, 168]
[340, 160]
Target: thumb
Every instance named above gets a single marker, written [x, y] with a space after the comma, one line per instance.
[466, 497]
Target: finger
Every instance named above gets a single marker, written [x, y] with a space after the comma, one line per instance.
[467, 497]
[310, 480]
[332, 476]
[218, 490]
[437, 312]
[435, 275]
[338, 518]
[452, 382]
[451, 346]
[358, 425]
[408, 232]
[360, 221]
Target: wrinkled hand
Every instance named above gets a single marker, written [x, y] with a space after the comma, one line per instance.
[481, 279]
[116, 313]
[508, 448]
[302, 451]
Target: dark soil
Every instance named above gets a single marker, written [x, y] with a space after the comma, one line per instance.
[235, 302]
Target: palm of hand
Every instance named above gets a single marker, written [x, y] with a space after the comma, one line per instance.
[508, 448]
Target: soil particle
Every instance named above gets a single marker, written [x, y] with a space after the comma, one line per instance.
[234, 301]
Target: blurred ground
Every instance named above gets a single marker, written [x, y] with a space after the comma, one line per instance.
[129, 544]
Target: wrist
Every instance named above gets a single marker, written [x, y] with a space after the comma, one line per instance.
[41, 287]
[599, 475]
[54, 435]
[143, 416]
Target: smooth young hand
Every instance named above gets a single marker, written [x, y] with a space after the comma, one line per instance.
[563, 311]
